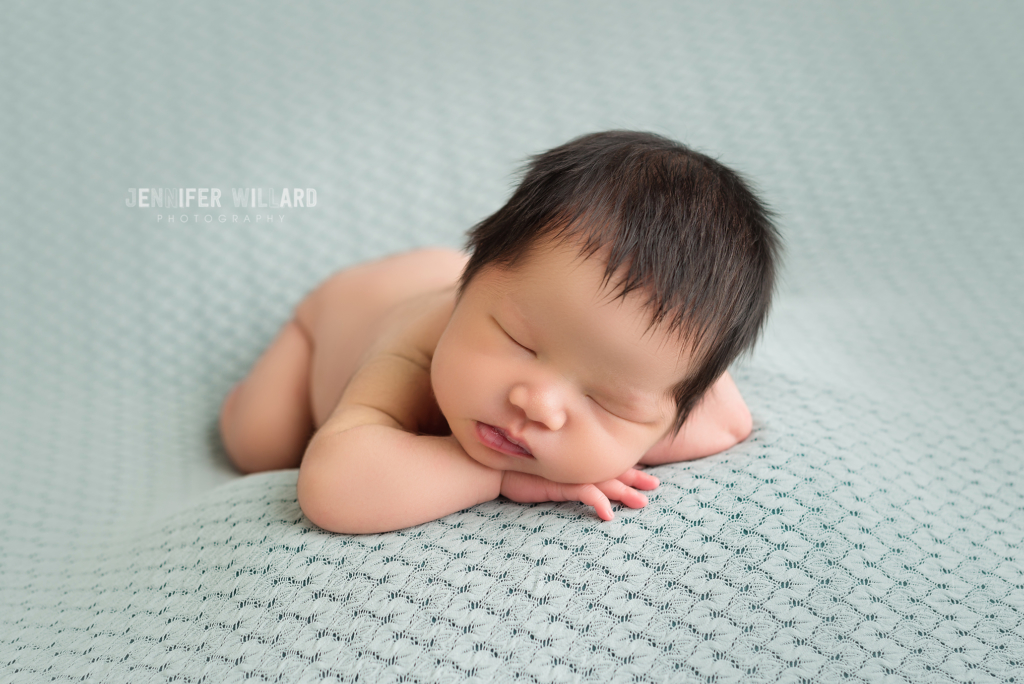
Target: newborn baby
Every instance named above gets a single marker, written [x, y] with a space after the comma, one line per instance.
[588, 331]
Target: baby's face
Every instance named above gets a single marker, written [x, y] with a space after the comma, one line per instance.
[541, 371]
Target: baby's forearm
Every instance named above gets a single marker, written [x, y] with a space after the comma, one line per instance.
[374, 478]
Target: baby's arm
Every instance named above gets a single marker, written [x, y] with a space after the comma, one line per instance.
[719, 421]
[376, 477]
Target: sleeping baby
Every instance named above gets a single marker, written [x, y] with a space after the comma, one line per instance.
[588, 331]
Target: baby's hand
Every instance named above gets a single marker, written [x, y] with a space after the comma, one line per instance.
[526, 488]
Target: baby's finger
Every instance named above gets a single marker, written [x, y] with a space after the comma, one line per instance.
[616, 490]
[639, 479]
[591, 495]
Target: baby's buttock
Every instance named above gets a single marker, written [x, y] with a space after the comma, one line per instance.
[346, 313]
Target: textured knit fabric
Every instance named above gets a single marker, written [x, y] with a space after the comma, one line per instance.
[869, 530]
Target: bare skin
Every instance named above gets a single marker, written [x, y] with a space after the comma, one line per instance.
[352, 371]
[268, 418]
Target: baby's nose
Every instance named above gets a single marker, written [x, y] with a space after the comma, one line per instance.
[541, 404]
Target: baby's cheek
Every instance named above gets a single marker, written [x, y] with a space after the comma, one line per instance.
[448, 381]
[615, 455]
[441, 379]
[595, 458]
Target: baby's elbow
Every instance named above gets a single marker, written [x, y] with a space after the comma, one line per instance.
[741, 425]
[328, 510]
[321, 494]
[315, 502]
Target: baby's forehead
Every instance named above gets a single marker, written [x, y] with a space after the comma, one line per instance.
[610, 289]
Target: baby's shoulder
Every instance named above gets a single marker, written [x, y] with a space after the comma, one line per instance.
[415, 325]
[393, 378]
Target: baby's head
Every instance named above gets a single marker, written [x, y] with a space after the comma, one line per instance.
[598, 305]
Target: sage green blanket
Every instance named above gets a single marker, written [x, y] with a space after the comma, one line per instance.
[869, 530]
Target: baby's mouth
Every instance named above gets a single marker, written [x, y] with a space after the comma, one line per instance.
[498, 439]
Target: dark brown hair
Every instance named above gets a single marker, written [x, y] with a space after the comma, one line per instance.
[690, 233]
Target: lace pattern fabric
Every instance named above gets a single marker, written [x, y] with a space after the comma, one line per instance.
[869, 530]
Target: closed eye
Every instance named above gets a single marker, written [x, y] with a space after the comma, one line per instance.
[513, 339]
[613, 413]
[600, 406]
[517, 342]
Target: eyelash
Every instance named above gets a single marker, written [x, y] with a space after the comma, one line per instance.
[522, 346]
[600, 406]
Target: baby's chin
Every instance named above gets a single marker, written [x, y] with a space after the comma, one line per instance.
[467, 446]
[463, 433]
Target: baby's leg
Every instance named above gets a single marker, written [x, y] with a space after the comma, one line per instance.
[266, 420]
